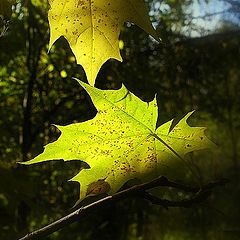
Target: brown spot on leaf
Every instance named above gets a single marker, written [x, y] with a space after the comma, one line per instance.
[98, 187]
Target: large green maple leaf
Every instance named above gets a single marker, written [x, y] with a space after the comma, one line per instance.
[92, 28]
[121, 142]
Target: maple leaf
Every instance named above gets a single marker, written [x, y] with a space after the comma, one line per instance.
[92, 28]
[121, 142]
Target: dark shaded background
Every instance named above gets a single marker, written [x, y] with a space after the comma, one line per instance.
[187, 72]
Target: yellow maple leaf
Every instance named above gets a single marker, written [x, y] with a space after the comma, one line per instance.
[122, 142]
[92, 28]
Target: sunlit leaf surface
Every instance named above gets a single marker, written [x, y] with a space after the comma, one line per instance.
[92, 28]
[121, 142]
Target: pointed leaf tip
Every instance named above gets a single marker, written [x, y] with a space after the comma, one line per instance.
[92, 28]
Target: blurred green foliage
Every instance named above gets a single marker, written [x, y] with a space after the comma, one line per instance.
[37, 90]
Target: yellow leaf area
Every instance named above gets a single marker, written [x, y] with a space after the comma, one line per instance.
[92, 28]
[121, 142]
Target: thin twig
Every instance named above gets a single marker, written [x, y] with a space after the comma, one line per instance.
[186, 203]
[137, 190]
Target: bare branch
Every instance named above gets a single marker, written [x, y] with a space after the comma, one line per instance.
[186, 203]
[200, 194]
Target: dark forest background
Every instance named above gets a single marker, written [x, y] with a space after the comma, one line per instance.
[192, 68]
